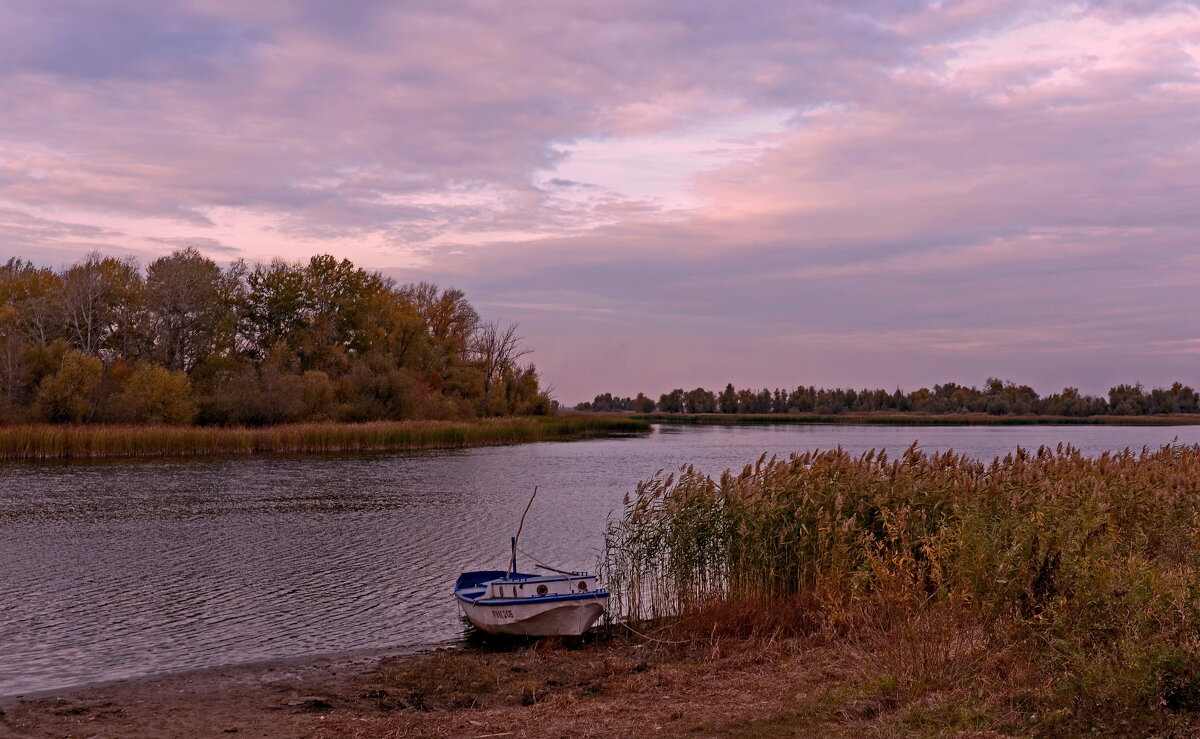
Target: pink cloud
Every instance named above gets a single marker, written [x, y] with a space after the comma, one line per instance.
[758, 192]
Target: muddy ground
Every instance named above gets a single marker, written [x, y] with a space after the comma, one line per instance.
[615, 688]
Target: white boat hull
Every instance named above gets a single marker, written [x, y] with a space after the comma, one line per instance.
[555, 618]
[520, 604]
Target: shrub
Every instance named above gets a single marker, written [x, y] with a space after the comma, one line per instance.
[317, 391]
[152, 394]
[68, 395]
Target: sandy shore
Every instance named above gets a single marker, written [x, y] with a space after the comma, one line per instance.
[264, 699]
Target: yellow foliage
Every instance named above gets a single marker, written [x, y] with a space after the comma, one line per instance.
[153, 394]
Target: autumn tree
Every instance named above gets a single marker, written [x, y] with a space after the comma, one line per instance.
[451, 321]
[1071, 402]
[671, 402]
[392, 325]
[495, 350]
[188, 305]
[727, 400]
[11, 354]
[700, 401]
[337, 301]
[273, 308]
[1178, 398]
[269, 343]
[153, 394]
[69, 395]
[35, 294]
[100, 301]
[1128, 400]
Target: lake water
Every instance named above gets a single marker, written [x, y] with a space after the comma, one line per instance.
[114, 569]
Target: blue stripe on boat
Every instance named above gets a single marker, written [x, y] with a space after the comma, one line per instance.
[533, 598]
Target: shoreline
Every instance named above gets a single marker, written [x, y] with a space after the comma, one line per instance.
[257, 665]
[909, 419]
[45, 441]
[616, 686]
[279, 697]
[612, 687]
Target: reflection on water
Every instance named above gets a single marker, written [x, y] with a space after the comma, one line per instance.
[121, 568]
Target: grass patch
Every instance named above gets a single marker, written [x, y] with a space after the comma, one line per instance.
[809, 716]
[460, 679]
[46, 441]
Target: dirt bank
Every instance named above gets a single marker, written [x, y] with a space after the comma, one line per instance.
[273, 699]
[619, 688]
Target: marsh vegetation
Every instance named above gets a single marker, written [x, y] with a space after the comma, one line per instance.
[48, 441]
[1044, 592]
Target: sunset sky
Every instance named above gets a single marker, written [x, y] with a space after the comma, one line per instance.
[663, 194]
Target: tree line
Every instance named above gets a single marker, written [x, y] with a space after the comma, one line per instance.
[187, 341]
[996, 397]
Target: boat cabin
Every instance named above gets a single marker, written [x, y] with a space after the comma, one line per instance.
[539, 586]
[497, 584]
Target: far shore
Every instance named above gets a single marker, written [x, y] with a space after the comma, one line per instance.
[912, 419]
[48, 441]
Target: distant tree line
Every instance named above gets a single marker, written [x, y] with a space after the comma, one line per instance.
[996, 397]
[186, 341]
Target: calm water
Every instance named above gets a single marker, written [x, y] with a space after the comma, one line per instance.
[115, 569]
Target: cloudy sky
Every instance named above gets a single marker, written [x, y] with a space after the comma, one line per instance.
[663, 193]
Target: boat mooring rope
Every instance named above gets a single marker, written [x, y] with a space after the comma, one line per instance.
[543, 565]
[660, 641]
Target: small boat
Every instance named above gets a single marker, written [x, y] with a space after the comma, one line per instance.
[521, 604]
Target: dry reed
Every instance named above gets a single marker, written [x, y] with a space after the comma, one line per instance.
[1077, 572]
[66, 442]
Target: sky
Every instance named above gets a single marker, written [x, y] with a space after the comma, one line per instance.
[662, 193]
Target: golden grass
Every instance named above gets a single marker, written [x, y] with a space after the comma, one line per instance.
[1074, 579]
[45, 441]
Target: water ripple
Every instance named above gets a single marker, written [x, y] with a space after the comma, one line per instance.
[113, 569]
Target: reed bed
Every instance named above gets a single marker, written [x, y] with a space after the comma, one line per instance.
[46, 441]
[1068, 582]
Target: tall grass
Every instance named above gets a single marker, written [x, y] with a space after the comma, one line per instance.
[1084, 568]
[46, 441]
